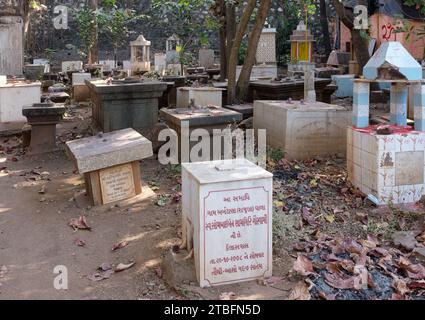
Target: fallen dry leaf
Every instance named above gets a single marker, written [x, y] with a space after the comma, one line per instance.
[159, 272]
[119, 245]
[338, 282]
[300, 292]
[123, 267]
[308, 217]
[400, 286]
[303, 265]
[79, 223]
[80, 242]
[99, 276]
[417, 284]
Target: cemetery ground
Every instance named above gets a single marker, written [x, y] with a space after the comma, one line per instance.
[323, 230]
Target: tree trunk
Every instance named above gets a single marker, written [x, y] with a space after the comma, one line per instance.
[325, 28]
[359, 43]
[234, 52]
[223, 46]
[243, 82]
[94, 50]
[230, 28]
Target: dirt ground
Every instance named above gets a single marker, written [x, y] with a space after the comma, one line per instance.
[39, 197]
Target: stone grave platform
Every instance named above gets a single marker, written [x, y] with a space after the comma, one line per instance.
[387, 167]
[13, 96]
[303, 130]
[110, 164]
[206, 118]
[227, 220]
[282, 90]
[126, 104]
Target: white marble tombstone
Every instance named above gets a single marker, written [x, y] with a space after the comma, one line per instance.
[227, 220]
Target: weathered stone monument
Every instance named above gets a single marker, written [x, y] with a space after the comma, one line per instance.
[206, 58]
[11, 43]
[387, 162]
[34, 72]
[187, 120]
[227, 220]
[80, 90]
[131, 103]
[43, 117]
[302, 129]
[11, 37]
[201, 96]
[160, 63]
[309, 90]
[69, 66]
[110, 164]
[140, 55]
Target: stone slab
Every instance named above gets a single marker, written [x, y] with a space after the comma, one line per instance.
[227, 219]
[117, 183]
[216, 116]
[107, 150]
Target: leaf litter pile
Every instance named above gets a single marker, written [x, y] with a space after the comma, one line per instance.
[344, 247]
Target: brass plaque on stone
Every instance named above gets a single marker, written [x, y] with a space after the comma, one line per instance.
[117, 183]
[409, 168]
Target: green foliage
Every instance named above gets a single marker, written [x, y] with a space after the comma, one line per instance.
[286, 22]
[190, 21]
[114, 23]
[86, 21]
[418, 4]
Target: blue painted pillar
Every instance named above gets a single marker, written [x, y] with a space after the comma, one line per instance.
[419, 105]
[398, 103]
[361, 91]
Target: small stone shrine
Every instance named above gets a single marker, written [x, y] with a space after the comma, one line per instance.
[43, 118]
[140, 55]
[301, 49]
[387, 162]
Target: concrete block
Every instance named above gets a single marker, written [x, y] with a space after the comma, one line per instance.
[303, 130]
[227, 220]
